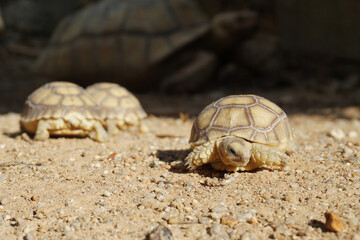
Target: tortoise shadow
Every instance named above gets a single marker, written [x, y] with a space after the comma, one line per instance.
[13, 134]
[28, 137]
[318, 224]
[169, 156]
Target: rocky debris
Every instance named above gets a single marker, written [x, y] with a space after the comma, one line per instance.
[229, 220]
[161, 233]
[337, 134]
[333, 222]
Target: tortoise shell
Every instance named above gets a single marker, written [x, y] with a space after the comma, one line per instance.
[58, 100]
[251, 117]
[115, 101]
[120, 39]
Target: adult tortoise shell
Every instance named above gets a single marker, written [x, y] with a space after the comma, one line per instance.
[62, 108]
[240, 132]
[121, 39]
[119, 108]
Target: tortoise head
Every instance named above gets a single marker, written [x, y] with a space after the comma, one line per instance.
[228, 27]
[234, 151]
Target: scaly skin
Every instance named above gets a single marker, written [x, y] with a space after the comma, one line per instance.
[92, 128]
[262, 156]
[201, 155]
[268, 157]
[115, 125]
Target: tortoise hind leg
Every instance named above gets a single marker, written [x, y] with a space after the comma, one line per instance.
[112, 127]
[98, 132]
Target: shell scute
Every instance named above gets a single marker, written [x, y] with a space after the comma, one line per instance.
[204, 119]
[233, 100]
[262, 117]
[116, 102]
[230, 118]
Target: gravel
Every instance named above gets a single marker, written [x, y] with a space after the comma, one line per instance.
[45, 194]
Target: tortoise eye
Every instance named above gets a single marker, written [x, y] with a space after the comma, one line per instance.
[232, 152]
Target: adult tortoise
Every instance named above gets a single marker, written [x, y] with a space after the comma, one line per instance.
[137, 43]
[62, 108]
[240, 133]
[119, 108]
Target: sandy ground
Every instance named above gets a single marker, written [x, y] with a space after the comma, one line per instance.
[71, 188]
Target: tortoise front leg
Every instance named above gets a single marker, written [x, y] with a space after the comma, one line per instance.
[45, 126]
[42, 132]
[201, 155]
[263, 156]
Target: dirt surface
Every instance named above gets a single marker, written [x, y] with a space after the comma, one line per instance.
[75, 188]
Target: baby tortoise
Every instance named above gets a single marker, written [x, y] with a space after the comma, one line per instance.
[62, 108]
[240, 132]
[118, 107]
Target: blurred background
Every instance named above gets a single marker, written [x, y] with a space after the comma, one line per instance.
[179, 55]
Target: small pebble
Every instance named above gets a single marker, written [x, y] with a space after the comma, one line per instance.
[177, 203]
[42, 229]
[4, 201]
[107, 194]
[333, 222]
[215, 216]
[289, 197]
[35, 198]
[247, 236]
[219, 209]
[154, 163]
[174, 220]
[243, 217]
[204, 220]
[187, 184]
[355, 236]
[160, 197]
[229, 220]
[353, 134]
[178, 164]
[115, 156]
[216, 229]
[337, 134]
[28, 236]
[161, 233]
[253, 220]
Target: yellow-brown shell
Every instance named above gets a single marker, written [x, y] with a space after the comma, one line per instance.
[116, 102]
[251, 117]
[57, 100]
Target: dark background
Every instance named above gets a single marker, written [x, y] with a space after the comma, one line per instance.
[304, 55]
